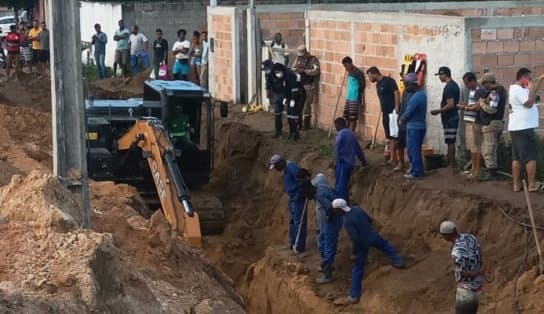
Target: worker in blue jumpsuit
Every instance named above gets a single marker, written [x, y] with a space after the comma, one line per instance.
[347, 147]
[295, 96]
[363, 236]
[298, 219]
[329, 223]
[275, 92]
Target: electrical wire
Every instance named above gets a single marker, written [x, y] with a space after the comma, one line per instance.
[525, 225]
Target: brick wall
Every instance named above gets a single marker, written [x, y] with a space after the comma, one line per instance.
[504, 50]
[291, 25]
[383, 42]
[221, 30]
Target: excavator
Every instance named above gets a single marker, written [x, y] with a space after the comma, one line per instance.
[162, 144]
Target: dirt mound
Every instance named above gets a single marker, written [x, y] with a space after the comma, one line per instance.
[28, 91]
[119, 88]
[47, 264]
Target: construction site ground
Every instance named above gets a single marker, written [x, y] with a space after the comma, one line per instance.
[132, 265]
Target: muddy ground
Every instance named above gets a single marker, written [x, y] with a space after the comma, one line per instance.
[252, 250]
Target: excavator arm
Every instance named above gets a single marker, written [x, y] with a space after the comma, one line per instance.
[151, 136]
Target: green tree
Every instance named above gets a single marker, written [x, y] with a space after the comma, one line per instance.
[18, 5]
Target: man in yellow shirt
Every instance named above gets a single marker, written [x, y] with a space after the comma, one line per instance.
[34, 37]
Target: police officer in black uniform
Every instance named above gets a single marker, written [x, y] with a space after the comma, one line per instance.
[275, 92]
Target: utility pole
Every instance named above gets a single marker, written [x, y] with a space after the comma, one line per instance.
[68, 107]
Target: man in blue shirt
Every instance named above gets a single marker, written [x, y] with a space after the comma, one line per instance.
[363, 236]
[296, 201]
[354, 92]
[99, 41]
[414, 119]
[329, 225]
[347, 147]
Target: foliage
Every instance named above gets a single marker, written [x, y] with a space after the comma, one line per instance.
[325, 151]
[90, 72]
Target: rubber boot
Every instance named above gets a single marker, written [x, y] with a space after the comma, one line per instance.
[292, 129]
[326, 277]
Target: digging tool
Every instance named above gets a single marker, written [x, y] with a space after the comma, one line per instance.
[300, 226]
[337, 102]
[533, 225]
[375, 131]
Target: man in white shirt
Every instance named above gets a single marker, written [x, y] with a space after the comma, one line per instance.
[522, 120]
[181, 50]
[138, 49]
[205, 57]
[277, 52]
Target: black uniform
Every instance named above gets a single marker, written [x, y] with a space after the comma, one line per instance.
[276, 93]
[294, 91]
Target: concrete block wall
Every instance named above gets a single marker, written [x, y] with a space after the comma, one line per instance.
[290, 24]
[224, 68]
[382, 40]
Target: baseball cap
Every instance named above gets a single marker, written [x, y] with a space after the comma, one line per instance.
[488, 77]
[447, 227]
[341, 203]
[411, 78]
[301, 48]
[443, 71]
[274, 160]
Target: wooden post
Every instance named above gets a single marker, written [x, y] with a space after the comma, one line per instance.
[535, 234]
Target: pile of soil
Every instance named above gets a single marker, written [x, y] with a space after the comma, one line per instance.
[28, 91]
[48, 264]
[119, 88]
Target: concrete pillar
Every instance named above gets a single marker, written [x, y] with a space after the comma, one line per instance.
[69, 150]
[251, 53]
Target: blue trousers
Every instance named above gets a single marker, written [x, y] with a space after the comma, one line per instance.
[342, 173]
[99, 59]
[332, 230]
[134, 61]
[296, 209]
[358, 269]
[414, 140]
[321, 220]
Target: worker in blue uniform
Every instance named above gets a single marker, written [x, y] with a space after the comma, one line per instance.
[329, 224]
[298, 218]
[295, 96]
[363, 236]
[347, 147]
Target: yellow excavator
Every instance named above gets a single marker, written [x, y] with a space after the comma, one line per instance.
[163, 145]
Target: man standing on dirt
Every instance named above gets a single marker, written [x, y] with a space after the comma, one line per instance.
[160, 52]
[121, 53]
[298, 218]
[469, 274]
[295, 96]
[181, 51]
[328, 224]
[139, 45]
[389, 95]
[448, 111]
[492, 111]
[354, 93]
[473, 123]
[99, 41]
[307, 66]
[13, 41]
[275, 92]
[363, 236]
[413, 120]
[34, 37]
[347, 147]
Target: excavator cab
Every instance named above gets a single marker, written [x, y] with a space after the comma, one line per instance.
[163, 141]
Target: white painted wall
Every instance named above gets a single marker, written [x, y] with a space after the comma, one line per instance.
[105, 14]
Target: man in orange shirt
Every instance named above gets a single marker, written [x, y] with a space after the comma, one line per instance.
[34, 37]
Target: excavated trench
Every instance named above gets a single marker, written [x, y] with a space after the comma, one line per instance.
[253, 248]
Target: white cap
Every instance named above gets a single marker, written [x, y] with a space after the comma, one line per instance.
[341, 203]
[448, 227]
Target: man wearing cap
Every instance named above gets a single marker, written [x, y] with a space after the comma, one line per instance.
[492, 114]
[473, 123]
[468, 263]
[328, 223]
[307, 66]
[347, 147]
[448, 111]
[363, 236]
[295, 96]
[413, 119]
[296, 201]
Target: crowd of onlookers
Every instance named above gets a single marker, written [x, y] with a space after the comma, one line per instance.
[27, 49]
[133, 48]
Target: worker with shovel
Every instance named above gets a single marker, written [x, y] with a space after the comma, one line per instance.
[297, 201]
[329, 225]
[363, 236]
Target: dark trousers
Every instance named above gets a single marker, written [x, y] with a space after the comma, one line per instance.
[277, 101]
[342, 173]
[414, 141]
[295, 113]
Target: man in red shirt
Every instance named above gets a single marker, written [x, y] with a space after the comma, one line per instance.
[13, 40]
